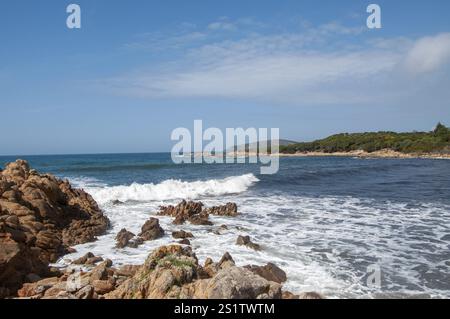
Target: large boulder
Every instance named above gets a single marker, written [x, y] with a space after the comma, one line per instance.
[163, 274]
[41, 216]
[233, 283]
[270, 272]
[173, 272]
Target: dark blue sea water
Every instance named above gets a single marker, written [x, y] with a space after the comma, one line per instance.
[326, 221]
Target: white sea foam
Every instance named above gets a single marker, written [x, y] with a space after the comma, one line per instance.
[173, 189]
[86, 182]
[324, 244]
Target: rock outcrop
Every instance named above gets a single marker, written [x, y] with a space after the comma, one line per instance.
[229, 209]
[41, 216]
[246, 241]
[174, 272]
[163, 274]
[195, 213]
[181, 234]
[270, 272]
[151, 230]
[184, 211]
[169, 272]
[77, 284]
[232, 283]
[88, 259]
[126, 238]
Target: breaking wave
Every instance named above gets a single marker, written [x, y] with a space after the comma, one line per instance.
[173, 189]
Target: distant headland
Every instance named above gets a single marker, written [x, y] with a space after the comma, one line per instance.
[434, 144]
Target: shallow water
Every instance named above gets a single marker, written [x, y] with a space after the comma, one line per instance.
[323, 220]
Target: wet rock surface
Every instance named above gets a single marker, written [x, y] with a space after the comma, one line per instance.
[172, 271]
[246, 241]
[126, 238]
[151, 230]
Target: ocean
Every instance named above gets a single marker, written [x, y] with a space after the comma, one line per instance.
[328, 222]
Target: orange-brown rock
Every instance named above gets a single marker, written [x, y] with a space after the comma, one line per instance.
[151, 230]
[40, 217]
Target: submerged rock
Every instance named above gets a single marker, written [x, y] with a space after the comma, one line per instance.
[181, 234]
[185, 242]
[246, 241]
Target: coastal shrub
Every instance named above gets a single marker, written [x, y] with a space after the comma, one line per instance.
[436, 141]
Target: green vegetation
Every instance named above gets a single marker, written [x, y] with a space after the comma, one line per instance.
[177, 262]
[437, 141]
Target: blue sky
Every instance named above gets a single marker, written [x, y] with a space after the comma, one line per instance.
[136, 70]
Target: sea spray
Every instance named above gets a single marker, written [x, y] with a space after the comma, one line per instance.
[173, 189]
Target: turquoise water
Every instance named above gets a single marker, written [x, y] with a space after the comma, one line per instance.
[324, 220]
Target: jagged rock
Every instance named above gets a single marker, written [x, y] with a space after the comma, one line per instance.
[100, 272]
[102, 287]
[270, 272]
[310, 295]
[76, 284]
[94, 260]
[200, 219]
[169, 272]
[126, 238]
[181, 234]
[246, 241]
[151, 230]
[182, 212]
[127, 270]
[117, 202]
[83, 259]
[86, 292]
[162, 275]
[40, 217]
[37, 288]
[229, 209]
[232, 283]
[184, 242]
[226, 261]
[211, 268]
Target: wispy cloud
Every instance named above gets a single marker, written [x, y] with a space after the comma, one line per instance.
[429, 54]
[312, 66]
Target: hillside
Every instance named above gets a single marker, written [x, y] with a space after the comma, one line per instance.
[436, 141]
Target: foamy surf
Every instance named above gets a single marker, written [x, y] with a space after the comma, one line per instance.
[173, 189]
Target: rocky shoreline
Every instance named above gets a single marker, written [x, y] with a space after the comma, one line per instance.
[359, 154]
[41, 217]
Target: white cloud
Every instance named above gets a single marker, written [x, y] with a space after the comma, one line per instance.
[222, 25]
[429, 54]
[309, 67]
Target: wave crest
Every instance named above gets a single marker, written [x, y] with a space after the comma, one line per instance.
[174, 189]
